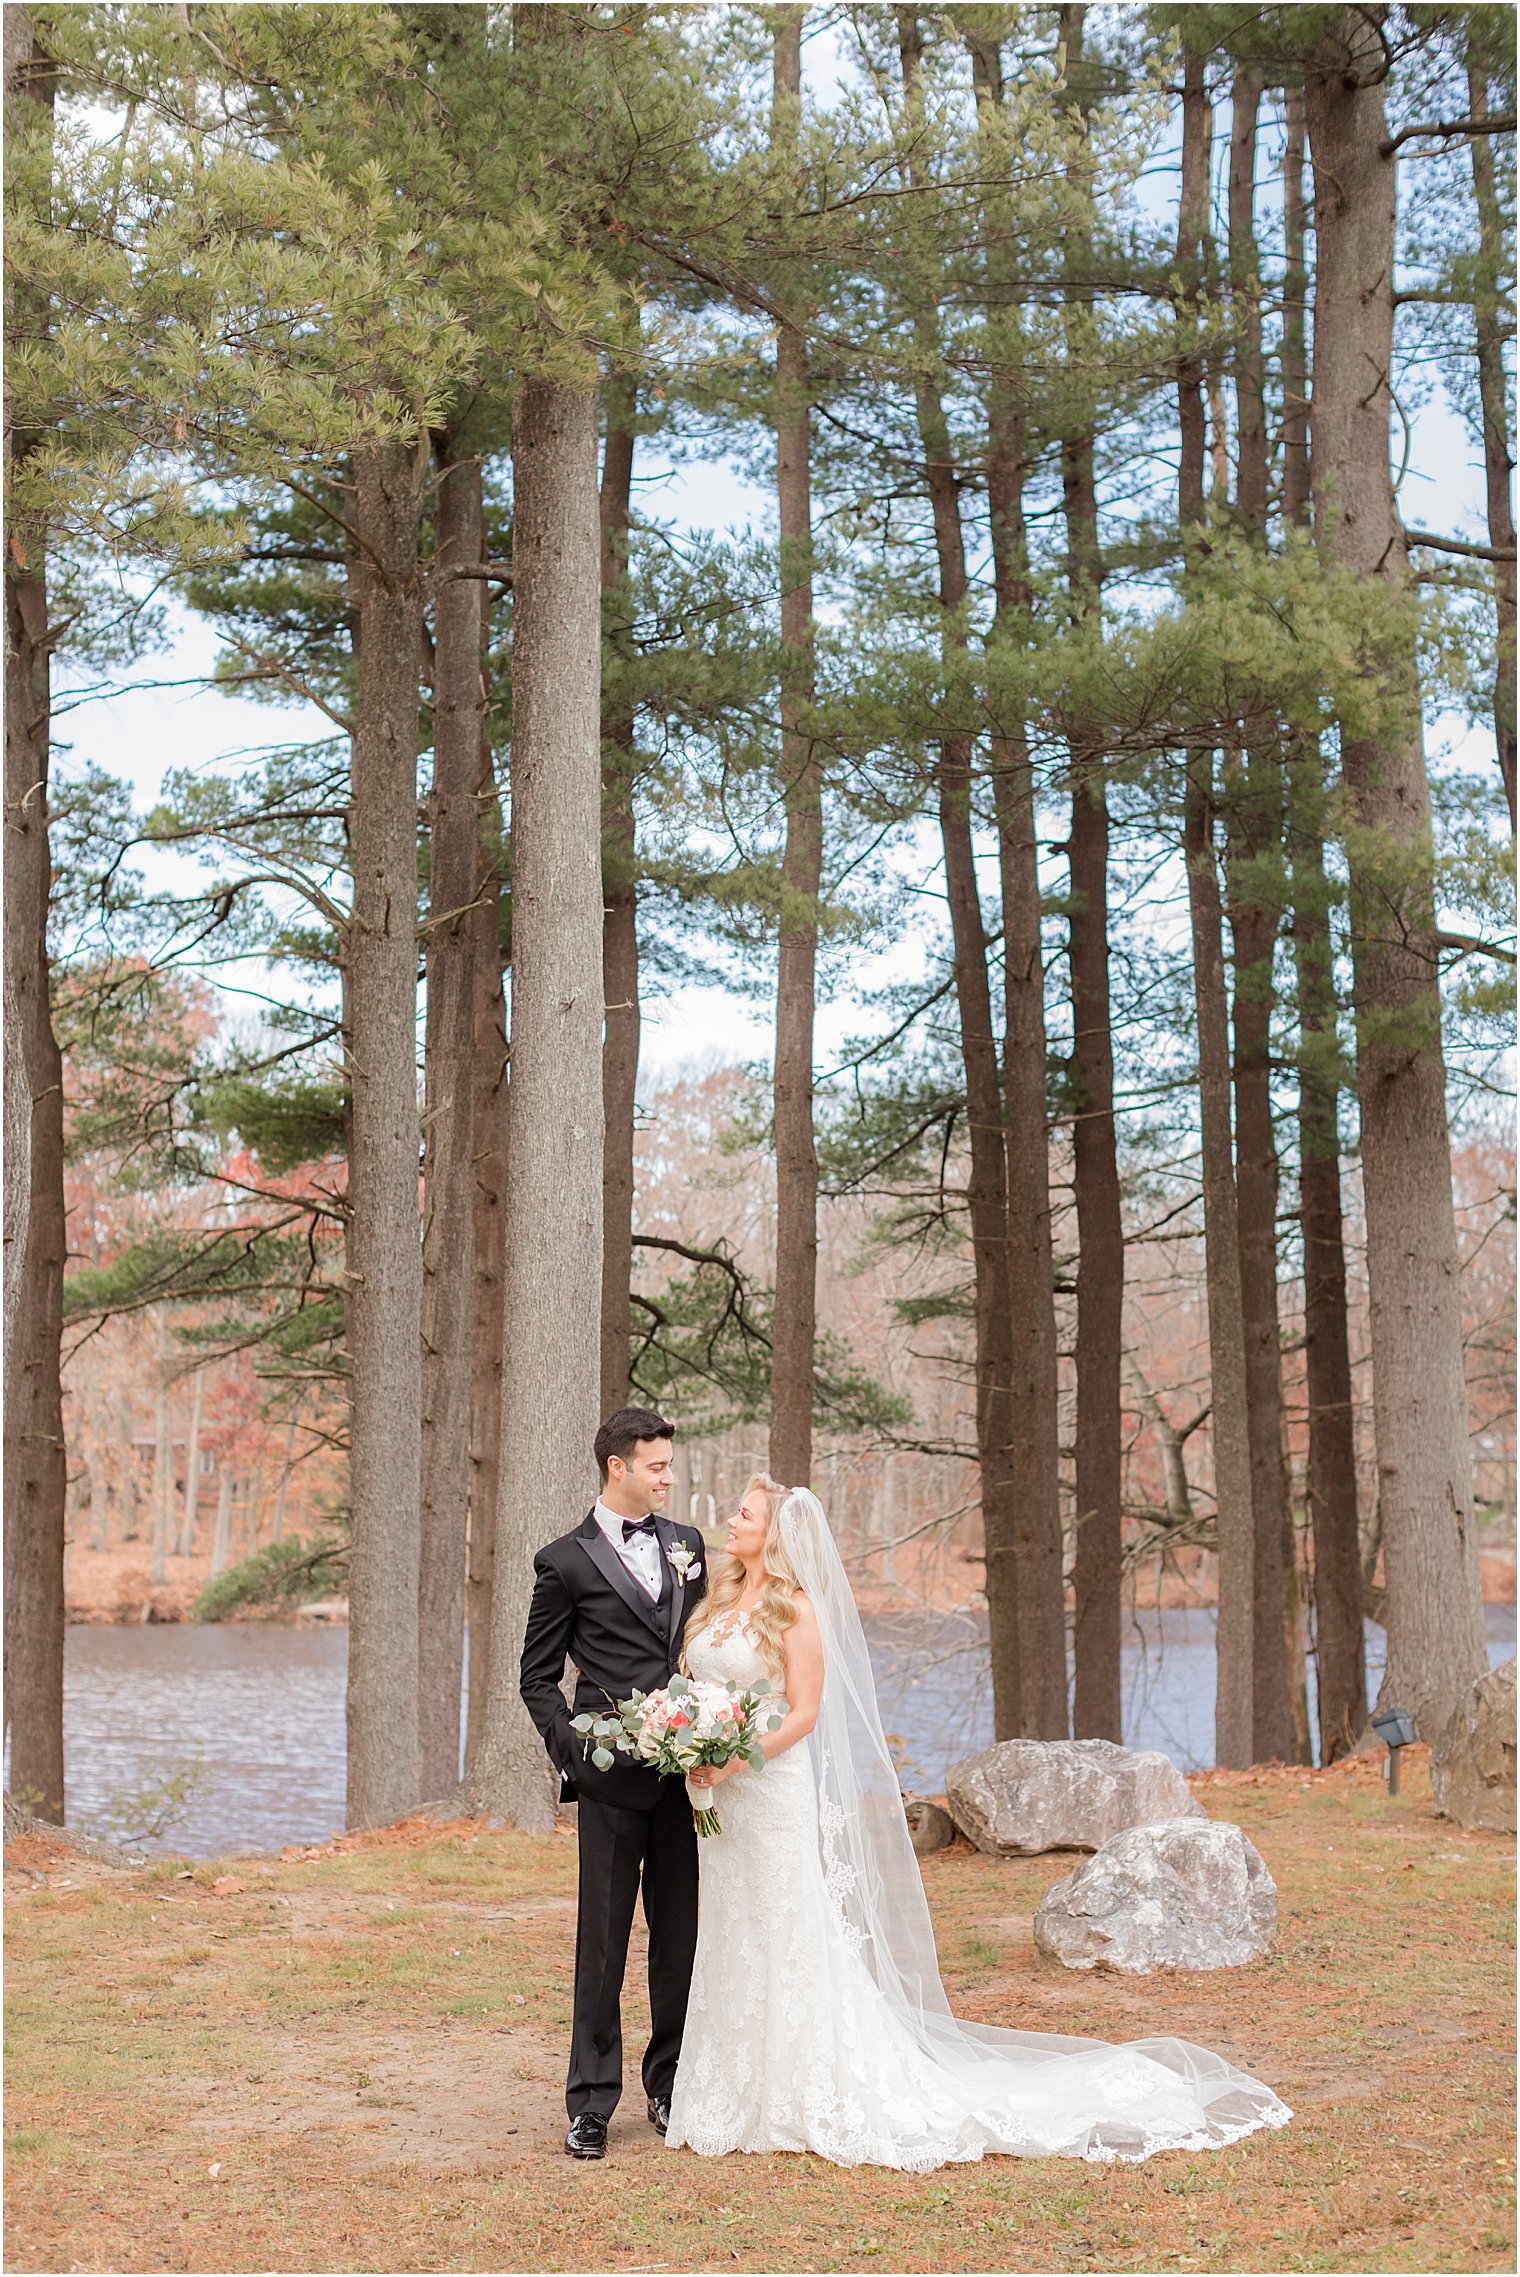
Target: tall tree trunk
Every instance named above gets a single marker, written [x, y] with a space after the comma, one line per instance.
[620, 905]
[448, 1243]
[796, 1302]
[1171, 1442]
[985, 1193]
[282, 1490]
[1254, 822]
[1034, 1422]
[186, 1542]
[553, 1247]
[163, 1450]
[35, 1471]
[1435, 1611]
[1295, 321]
[1234, 1637]
[1491, 277]
[1339, 1640]
[16, 1141]
[221, 1534]
[486, 1358]
[1095, 1157]
[384, 1251]
[1234, 1722]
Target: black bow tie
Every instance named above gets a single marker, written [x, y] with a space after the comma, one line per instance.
[632, 1526]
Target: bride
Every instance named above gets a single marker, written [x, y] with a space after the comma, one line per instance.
[817, 2020]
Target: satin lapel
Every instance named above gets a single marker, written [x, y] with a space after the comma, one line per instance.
[612, 1569]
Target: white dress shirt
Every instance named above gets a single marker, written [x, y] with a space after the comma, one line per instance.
[640, 1554]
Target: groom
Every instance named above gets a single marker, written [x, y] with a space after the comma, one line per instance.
[613, 1597]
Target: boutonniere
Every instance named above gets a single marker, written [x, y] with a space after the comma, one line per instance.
[685, 1561]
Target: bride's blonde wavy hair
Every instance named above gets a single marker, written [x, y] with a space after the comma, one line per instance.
[775, 1610]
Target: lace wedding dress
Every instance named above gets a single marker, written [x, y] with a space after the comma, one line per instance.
[799, 2035]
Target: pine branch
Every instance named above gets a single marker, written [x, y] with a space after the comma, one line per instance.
[1504, 124]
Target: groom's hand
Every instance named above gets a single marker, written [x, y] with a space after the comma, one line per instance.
[545, 1646]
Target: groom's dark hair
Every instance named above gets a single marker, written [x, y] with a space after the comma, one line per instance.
[621, 1433]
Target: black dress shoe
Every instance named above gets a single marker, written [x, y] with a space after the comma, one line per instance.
[588, 2136]
[659, 2112]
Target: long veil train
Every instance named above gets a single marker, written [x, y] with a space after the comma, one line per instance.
[1095, 2099]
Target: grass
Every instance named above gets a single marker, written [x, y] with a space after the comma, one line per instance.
[354, 2062]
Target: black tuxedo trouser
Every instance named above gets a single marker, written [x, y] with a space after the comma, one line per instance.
[616, 1844]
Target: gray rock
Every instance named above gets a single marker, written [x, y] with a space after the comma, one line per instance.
[1472, 1765]
[1187, 1894]
[930, 1824]
[1026, 1795]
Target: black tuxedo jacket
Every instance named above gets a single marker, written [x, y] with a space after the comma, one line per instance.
[587, 1608]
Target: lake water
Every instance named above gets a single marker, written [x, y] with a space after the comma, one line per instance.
[260, 1710]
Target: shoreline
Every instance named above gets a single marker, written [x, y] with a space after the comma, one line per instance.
[113, 1590]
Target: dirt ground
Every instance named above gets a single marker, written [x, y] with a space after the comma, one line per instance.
[351, 2058]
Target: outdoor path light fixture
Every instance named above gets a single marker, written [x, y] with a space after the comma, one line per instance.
[1396, 1728]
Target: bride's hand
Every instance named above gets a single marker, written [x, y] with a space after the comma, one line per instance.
[713, 1776]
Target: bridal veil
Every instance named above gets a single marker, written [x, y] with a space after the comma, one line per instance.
[1104, 2101]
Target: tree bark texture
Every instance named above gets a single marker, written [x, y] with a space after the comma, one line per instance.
[1254, 823]
[448, 1242]
[1339, 1640]
[553, 1248]
[1234, 1702]
[1100, 1268]
[191, 1503]
[35, 1484]
[163, 1448]
[1339, 1637]
[1099, 1466]
[1033, 1405]
[1234, 1696]
[489, 1130]
[794, 1331]
[1436, 1641]
[384, 1247]
[1294, 353]
[16, 1159]
[620, 907]
[985, 1193]
[1489, 318]
[1033, 1401]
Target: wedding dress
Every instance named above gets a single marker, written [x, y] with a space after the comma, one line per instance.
[817, 2020]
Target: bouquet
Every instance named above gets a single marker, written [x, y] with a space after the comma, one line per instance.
[686, 1726]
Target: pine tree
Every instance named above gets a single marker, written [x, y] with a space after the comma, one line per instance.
[553, 1229]
[1330, 1487]
[796, 1297]
[34, 1445]
[1435, 1618]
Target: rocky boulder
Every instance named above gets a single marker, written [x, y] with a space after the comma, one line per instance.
[1026, 1795]
[1187, 1894]
[1472, 1765]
